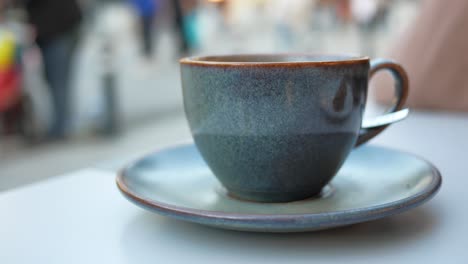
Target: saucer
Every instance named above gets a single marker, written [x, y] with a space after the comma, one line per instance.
[374, 182]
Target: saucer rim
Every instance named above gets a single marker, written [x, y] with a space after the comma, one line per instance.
[244, 221]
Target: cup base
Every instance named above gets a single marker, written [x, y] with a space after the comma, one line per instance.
[281, 197]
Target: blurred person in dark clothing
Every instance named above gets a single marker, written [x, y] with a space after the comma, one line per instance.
[55, 25]
[146, 10]
[178, 9]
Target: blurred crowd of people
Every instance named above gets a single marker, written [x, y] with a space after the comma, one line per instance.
[54, 27]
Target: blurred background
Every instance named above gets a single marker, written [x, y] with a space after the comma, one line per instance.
[102, 86]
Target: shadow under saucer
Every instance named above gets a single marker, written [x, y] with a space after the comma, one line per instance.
[148, 234]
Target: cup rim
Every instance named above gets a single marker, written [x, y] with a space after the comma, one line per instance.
[229, 60]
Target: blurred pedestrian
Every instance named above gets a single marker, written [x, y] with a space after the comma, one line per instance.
[184, 24]
[146, 10]
[10, 75]
[433, 52]
[55, 24]
[369, 16]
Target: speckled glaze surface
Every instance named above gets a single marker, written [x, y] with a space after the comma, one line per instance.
[275, 128]
[373, 183]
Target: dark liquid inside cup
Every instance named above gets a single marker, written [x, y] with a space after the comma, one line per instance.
[294, 166]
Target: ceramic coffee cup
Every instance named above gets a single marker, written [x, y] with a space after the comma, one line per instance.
[277, 128]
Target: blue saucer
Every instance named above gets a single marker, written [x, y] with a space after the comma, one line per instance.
[374, 182]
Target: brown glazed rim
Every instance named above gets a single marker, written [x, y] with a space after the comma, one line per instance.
[229, 60]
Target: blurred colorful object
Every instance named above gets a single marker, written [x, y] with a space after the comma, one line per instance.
[10, 74]
[7, 50]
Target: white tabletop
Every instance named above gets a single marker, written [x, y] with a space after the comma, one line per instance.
[82, 218]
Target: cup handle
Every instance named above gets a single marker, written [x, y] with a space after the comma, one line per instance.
[371, 128]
